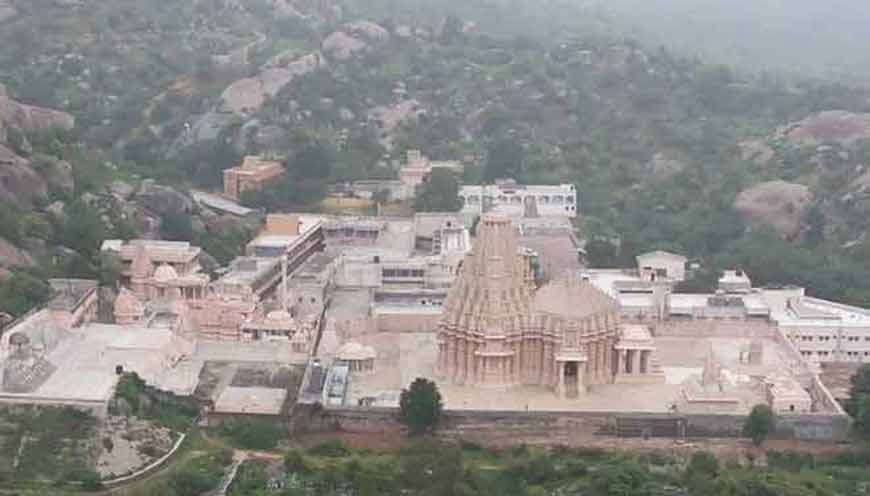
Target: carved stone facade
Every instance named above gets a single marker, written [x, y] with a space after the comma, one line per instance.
[497, 331]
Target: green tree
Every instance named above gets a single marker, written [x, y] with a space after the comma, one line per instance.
[83, 230]
[439, 193]
[759, 424]
[21, 291]
[504, 159]
[420, 406]
[858, 404]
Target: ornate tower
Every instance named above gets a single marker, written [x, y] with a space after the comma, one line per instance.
[487, 310]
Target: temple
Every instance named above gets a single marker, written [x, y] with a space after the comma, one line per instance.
[498, 331]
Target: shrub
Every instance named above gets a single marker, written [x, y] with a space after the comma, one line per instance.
[332, 448]
[252, 434]
[702, 464]
[759, 424]
[295, 462]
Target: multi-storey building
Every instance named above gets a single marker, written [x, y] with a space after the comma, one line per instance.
[518, 200]
[252, 174]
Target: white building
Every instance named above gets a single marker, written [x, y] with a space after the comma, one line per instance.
[662, 265]
[518, 201]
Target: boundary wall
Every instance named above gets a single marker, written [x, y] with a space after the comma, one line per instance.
[477, 424]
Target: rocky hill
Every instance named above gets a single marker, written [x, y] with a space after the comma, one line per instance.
[666, 151]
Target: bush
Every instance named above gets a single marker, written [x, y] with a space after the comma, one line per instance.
[252, 434]
[790, 460]
[702, 464]
[295, 462]
[759, 424]
[332, 448]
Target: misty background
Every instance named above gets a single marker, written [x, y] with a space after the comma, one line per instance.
[798, 38]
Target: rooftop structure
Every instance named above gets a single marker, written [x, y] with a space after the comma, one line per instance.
[249, 278]
[252, 174]
[250, 400]
[418, 167]
[661, 265]
[519, 201]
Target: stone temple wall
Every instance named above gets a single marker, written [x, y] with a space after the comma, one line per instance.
[712, 328]
[563, 426]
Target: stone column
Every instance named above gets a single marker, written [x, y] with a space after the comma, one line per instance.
[635, 369]
[581, 379]
[560, 388]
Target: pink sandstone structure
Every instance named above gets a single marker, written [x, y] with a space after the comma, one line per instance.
[497, 331]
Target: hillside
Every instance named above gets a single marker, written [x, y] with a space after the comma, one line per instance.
[667, 151]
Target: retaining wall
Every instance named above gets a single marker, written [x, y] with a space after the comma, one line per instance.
[475, 424]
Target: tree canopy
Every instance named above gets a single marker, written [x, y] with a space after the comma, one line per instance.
[420, 406]
[759, 424]
[439, 193]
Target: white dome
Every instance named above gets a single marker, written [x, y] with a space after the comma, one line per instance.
[279, 315]
[165, 273]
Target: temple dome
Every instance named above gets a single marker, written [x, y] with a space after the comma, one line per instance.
[573, 299]
[127, 304]
[279, 316]
[165, 273]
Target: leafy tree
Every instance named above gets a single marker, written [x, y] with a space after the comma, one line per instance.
[858, 404]
[504, 159]
[177, 227]
[83, 230]
[21, 291]
[759, 424]
[440, 192]
[420, 406]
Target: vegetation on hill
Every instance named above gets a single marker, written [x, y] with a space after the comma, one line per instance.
[429, 467]
[667, 151]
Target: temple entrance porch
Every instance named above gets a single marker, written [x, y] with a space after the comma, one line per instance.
[570, 375]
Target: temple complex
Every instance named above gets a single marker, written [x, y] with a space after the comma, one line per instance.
[498, 331]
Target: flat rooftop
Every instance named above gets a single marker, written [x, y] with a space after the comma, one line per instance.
[251, 400]
[814, 312]
[248, 270]
[349, 304]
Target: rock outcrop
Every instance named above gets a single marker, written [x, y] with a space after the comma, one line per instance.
[832, 126]
[11, 256]
[341, 46]
[19, 183]
[30, 118]
[367, 30]
[163, 200]
[247, 95]
[777, 204]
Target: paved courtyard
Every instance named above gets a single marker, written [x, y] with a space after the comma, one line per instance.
[406, 356]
